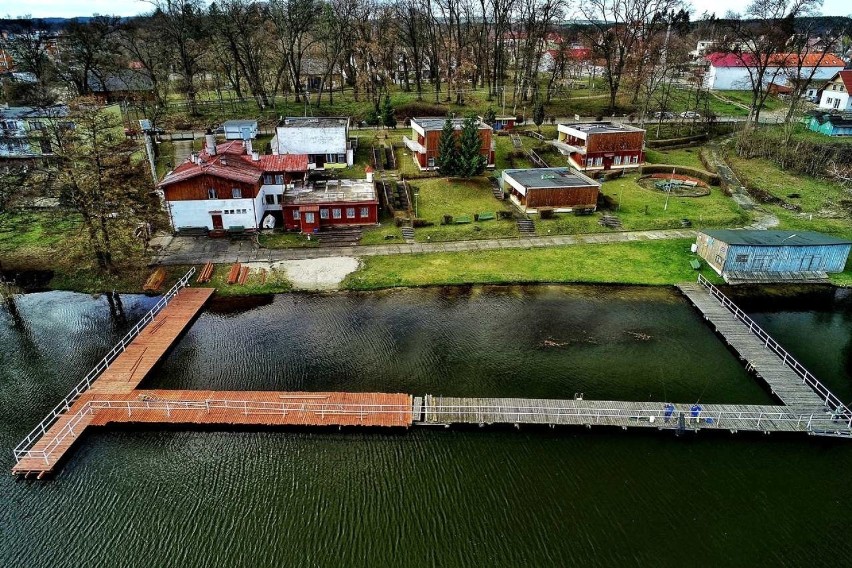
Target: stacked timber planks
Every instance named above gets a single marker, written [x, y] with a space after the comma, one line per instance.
[155, 281]
[234, 273]
[205, 274]
[244, 272]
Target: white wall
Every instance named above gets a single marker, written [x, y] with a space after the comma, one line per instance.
[196, 212]
[739, 79]
[310, 140]
[843, 105]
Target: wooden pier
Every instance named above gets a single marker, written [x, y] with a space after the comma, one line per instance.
[444, 411]
[119, 373]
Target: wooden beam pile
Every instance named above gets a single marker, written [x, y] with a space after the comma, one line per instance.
[234, 273]
[155, 281]
[205, 274]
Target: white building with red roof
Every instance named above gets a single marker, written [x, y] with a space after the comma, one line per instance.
[835, 94]
[735, 71]
[228, 186]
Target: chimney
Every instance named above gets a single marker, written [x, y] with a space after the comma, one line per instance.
[255, 156]
[249, 150]
[210, 142]
[369, 171]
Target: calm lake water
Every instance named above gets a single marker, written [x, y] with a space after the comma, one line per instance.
[428, 497]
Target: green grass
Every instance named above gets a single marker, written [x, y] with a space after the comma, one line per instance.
[820, 201]
[376, 235]
[680, 157]
[640, 209]
[34, 239]
[649, 262]
[275, 282]
[744, 98]
[442, 196]
[279, 240]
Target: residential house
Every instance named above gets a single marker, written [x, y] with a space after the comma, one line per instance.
[229, 186]
[502, 122]
[731, 71]
[601, 145]
[325, 140]
[335, 203]
[830, 123]
[123, 85]
[744, 255]
[25, 131]
[835, 93]
[561, 189]
[426, 133]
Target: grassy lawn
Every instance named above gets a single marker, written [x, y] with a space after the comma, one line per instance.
[825, 206]
[744, 98]
[639, 209]
[442, 196]
[36, 239]
[275, 281]
[649, 262]
[278, 240]
[680, 157]
[383, 234]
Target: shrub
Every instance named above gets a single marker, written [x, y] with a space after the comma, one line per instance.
[504, 215]
[447, 220]
[546, 213]
[418, 223]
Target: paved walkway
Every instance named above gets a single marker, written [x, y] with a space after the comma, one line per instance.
[762, 219]
[198, 250]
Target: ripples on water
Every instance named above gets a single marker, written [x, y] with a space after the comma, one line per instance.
[425, 497]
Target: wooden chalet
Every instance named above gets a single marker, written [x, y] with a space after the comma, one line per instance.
[426, 132]
[601, 145]
[560, 189]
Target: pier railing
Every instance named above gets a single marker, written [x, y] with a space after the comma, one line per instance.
[23, 448]
[753, 420]
[830, 400]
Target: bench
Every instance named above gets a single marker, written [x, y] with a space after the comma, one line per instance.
[487, 216]
[695, 263]
[462, 219]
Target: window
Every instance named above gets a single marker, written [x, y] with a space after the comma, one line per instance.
[430, 163]
[335, 213]
[37, 125]
[742, 258]
[309, 218]
[279, 179]
[836, 103]
[365, 212]
[719, 259]
[237, 193]
[211, 193]
[270, 199]
[267, 179]
[331, 158]
[350, 212]
[323, 213]
[295, 214]
[341, 158]
[617, 161]
[635, 159]
[278, 198]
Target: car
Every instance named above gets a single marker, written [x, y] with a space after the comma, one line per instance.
[690, 114]
[664, 114]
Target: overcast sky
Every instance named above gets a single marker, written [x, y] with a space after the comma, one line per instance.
[71, 8]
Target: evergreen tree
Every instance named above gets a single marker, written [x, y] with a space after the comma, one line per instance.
[490, 117]
[388, 117]
[538, 115]
[471, 161]
[374, 117]
[448, 158]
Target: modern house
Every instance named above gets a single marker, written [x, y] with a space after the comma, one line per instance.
[749, 256]
[426, 132]
[601, 145]
[560, 189]
[229, 186]
[325, 140]
[335, 203]
[25, 131]
[240, 129]
[835, 93]
[733, 71]
[502, 122]
[830, 123]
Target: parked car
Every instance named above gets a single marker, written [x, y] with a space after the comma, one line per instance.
[690, 114]
[664, 114]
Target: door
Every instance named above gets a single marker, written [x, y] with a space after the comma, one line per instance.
[607, 162]
[811, 263]
[217, 221]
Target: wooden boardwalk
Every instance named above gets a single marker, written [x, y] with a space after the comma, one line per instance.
[258, 408]
[664, 416]
[122, 376]
[782, 380]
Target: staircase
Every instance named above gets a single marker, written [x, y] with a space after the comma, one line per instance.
[516, 141]
[408, 234]
[526, 227]
[496, 190]
[342, 237]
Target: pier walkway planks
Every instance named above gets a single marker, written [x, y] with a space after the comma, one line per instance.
[257, 408]
[732, 417]
[121, 377]
[783, 381]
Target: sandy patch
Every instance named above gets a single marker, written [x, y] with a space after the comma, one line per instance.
[315, 273]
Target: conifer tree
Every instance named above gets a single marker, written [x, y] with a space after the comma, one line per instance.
[447, 160]
[490, 117]
[538, 115]
[471, 161]
[388, 117]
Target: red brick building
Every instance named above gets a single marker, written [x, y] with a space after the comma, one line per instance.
[426, 132]
[601, 145]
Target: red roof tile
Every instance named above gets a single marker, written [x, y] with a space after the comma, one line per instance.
[846, 77]
[720, 59]
[284, 163]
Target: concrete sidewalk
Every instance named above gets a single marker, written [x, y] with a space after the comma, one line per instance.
[198, 250]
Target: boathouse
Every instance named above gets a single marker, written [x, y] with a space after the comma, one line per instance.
[561, 189]
[772, 256]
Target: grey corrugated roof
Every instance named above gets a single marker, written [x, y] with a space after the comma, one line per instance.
[58, 111]
[774, 238]
[122, 80]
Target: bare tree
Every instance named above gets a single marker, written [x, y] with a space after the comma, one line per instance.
[29, 49]
[295, 21]
[90, 53]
